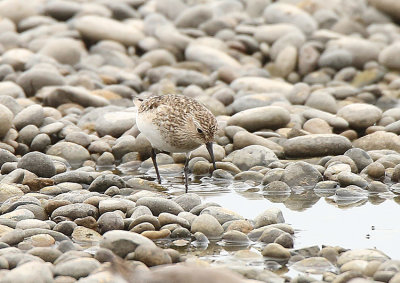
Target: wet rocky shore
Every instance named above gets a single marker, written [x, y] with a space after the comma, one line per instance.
[306, 96]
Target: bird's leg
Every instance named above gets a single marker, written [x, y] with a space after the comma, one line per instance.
[186, 171]
[153, 157]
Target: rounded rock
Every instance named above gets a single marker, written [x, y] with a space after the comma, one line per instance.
[301, 174]
[270, 117]
[6, 120]
[152, 256]
[110, 221]
[286, 13]
[38, 163]
[75, 210]
[75, 154]
[269, 216]
[31, 115]
[101, 28]
[360, 115]
[158, 205]
[76, 268]
[276, 251]
[208, 225]
[316, 145]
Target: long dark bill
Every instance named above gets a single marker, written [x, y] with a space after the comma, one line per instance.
[209, 147]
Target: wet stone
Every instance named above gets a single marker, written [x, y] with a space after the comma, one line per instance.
[188, 201]
[276, 251]
[269, 216]
[348, 178]
[375, 170]
[168, 218]
[315, 265]
[154, 235]
[221, 214]
[180, 233]
[301, 174]
[234, 237]
[208, 225]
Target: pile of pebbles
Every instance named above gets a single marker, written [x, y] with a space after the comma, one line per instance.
[305, 95]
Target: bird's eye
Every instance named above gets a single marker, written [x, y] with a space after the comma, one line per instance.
[200, 131]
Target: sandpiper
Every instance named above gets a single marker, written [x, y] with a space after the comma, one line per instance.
[176, 123]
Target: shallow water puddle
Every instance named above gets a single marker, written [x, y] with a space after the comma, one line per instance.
[353, 223]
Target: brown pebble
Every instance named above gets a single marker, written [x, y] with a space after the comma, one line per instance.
[375, 170]
[88, 222]
[156, 234]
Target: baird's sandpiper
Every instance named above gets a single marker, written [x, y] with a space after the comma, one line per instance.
[176, 123]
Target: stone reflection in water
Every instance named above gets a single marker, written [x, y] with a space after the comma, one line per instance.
[346, 203]
[376, 199]
[301, 201]
[277, 197]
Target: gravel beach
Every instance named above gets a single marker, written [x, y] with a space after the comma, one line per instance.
[306, 95]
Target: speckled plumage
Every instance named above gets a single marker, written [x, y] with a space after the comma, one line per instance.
[176, 123]
[173, 115]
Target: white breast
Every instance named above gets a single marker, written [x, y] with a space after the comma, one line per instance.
[153, 134]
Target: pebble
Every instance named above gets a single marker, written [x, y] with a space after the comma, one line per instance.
[210, 57]
[250, 156]
[123, 242]
[285, 13]
[6, 119]
[276, 251]
[301, 174]
[378, 140]
[315, 265]
[32, 115]
[234, 237]
[152, 256]
[269, 216]
[260, 84]
[110, 221]
[361, 254]
[75, 154]
[38, 163]
[32, 271]
[76, 268]
[316, 145]
[101, 28]
[75, 210]
[223, 215]
[188, 201]
[260, 118]
[158, 205]
[103, 182]
[360, 115]
[208, 225]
